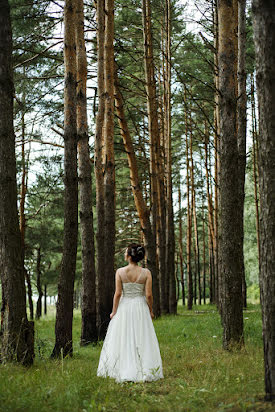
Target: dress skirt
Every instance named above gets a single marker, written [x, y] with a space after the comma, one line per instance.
[130, 350]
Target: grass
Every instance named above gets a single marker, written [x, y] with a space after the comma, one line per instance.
[199, 375]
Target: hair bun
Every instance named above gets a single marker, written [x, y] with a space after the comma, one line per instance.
[136, 252]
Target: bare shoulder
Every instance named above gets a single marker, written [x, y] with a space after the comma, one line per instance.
[118, 271]
[147, 273]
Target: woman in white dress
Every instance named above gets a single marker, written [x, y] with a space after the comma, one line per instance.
[130, 350]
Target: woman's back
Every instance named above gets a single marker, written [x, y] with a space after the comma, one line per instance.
[135, 274]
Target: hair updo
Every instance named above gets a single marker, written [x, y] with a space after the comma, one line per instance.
[136, 252]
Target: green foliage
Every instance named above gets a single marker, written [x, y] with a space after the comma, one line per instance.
[199, 375]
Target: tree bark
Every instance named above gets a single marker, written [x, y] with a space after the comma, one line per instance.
[215, 234]
[170, 231]
[255, 164]
[231, 246]
[23, 192]
[88, 307]
[102, 310]
[241, 127]
[211, 230]
[109, 167]
[18, 333]
[152, 124]
[189, 215]
[38, 284]
[45, 299]
[264, 38]
[64, 307]
[181, 249]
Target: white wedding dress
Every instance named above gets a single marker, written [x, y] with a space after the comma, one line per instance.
[130, 350]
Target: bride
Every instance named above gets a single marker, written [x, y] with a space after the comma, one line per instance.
[130, 350]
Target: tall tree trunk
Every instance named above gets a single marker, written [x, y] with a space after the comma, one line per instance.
[38, 284]
[230, 247]
[143, 212]
[189, 215]
[23, 192]
[170, 232]
[181, 250]
[196, 236]
[215, 234]
[152, 119]
[204, 261]
[161, 229]
[64, 307]
[102, 310]
[264, 38]
[88, 307]
[18, 333]
[255, 164]
[45, 299]
[109, 166]
[211, 230]
[241, 127]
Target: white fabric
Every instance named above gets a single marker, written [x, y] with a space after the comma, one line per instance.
[130, 350]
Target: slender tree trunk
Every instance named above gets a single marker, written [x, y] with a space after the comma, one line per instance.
[241, 126]
[189, 215]
[181, 250]
[215, 232]
[264, 38]
[255, 164]
[88, 307]
[23, 192]
[170, 232]
[196, 236]
[109, 166]
[161, 230]
[39, 288]
[230, 247]
[18, 333]
[152, 120]
[64, 307]
[211, 230]
[102, 310]
[143, 212]
[204, 261]
[45, 299]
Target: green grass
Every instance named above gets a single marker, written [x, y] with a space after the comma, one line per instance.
[199, 375]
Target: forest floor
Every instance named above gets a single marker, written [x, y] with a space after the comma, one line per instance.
[198, 374]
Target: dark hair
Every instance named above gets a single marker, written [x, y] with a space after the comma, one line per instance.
[136, 252]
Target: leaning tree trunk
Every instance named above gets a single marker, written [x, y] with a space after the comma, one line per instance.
[264, 37]
[241, 126]
[143, 212]
[18, 333]
[255, 153]
[102, 310]
[64, 307]
[230, 247]
[88, 306]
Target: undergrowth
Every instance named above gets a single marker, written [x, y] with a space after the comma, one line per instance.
[198, 374]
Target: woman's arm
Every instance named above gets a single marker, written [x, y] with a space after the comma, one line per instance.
[117, 294]
[148, 292]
